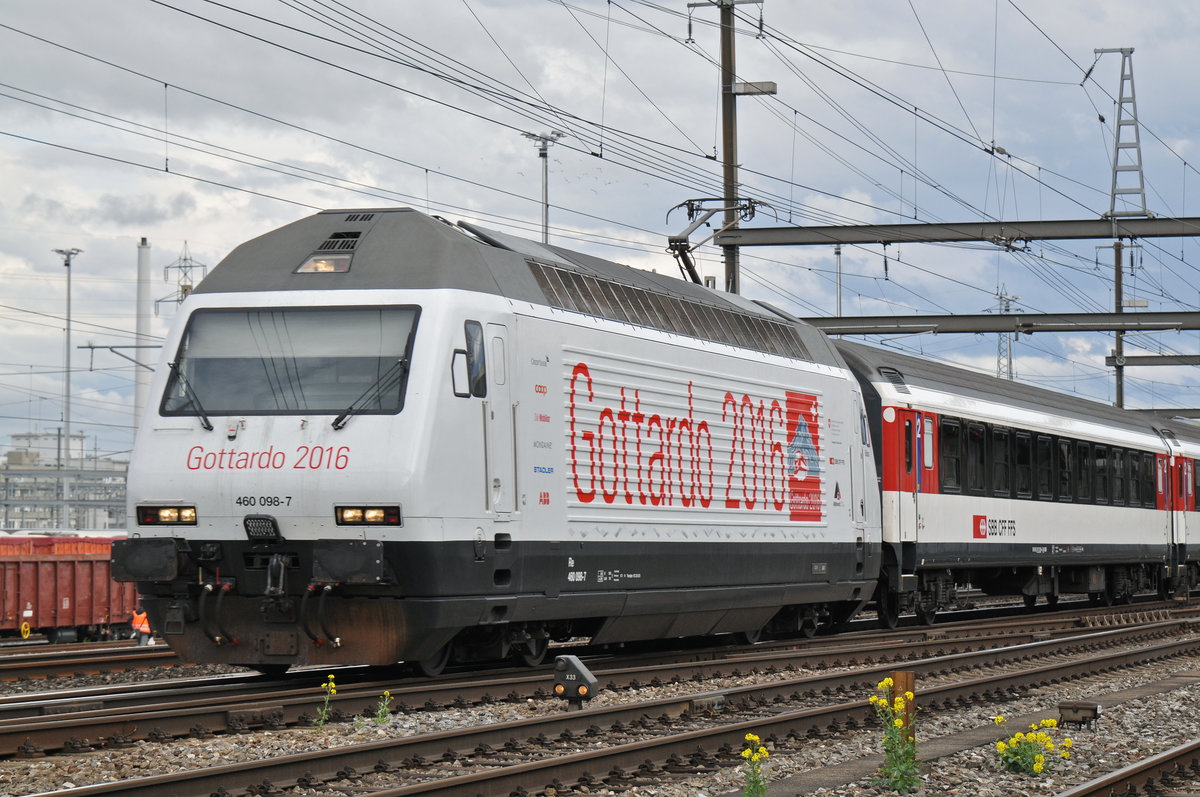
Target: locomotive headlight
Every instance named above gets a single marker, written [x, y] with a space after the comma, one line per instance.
[166, 515]
[367, 515]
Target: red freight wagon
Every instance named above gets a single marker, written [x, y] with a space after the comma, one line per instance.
[60, 586]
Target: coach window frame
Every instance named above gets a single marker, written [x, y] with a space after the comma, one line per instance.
[950, 455]
[1064, 461]
[1149, 493]
[1043, 467]
[1001, 461]
[976, 456]
[1083, 475]
[1023, 471]
[1116, 476]
[1100, 472]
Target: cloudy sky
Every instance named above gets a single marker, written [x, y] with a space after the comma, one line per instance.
[199, 125]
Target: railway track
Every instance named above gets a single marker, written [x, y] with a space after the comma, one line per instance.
[79, 720]
[1174, 772]
[57, 661]
[687, 733]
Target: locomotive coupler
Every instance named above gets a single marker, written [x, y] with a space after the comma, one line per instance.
[276, 576]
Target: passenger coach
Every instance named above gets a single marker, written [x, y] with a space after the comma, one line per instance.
[1013, 489]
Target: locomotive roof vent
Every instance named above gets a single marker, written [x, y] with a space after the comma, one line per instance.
[340, 242]
[360, 217]
[896, 378]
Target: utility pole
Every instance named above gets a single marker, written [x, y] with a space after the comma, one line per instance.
[729, 143]
[67, 256]
[543, 142]
[730, 89]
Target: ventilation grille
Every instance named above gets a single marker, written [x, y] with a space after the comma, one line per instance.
[360, 217]
[340, 242]
[897, 380]
[583, 293]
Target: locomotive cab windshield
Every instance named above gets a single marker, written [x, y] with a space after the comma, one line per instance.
[252, 361]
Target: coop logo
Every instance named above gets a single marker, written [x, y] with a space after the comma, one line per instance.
[541, 390]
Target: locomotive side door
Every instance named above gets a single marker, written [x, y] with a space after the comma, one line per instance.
[498, 419]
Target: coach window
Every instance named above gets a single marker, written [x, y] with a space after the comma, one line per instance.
[1101, 472]
[976, 458]
[1083, 472]
[1117, 471]
[1133, 478]
[1149, 466]
[1001, 457]
[950, 456]
[908, 445]
[476, 360]
[1045, 468]
[1023, 457]
[927, 444]
[1066, 471]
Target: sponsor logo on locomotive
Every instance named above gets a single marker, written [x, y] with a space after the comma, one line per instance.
[758, 453]
[983, 527]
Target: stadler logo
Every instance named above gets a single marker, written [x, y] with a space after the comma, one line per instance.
[981, 527]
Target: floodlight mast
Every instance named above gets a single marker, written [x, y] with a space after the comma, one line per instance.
[67, 255]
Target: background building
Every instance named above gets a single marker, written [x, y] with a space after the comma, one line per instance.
[48, 482]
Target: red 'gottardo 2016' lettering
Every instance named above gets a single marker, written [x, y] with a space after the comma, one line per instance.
[631, 457]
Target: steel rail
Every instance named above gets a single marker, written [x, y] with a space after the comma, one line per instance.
[712, 745]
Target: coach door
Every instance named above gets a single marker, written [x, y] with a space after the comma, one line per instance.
[498, 418]
[912, 453]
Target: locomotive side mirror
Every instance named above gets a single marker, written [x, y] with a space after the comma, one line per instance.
[459, 375]
[573, 682]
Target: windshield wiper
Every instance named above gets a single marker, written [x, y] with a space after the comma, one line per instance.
[192, 398]
[386, 381]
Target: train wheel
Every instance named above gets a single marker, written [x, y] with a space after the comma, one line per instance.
[808, 627]
[752, 637]
[1030, 601]
[434, 665]
[534, 653]
[926, 616]
[887, 605]
[1051, 600]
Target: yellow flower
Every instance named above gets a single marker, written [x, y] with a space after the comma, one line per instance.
[1068, 743]
[899, 723]
[746, 753]
[1039, 758]
[1065, 753]
[1001, 746]
[909, 696]
[873, 699]
[1050, 746]
[1018, 737]
[899, 704]
[751, 738]
[1033, 727]
[762, 751]
[332, 691]
[1037, 768]
[999, 720]
[1050, 723]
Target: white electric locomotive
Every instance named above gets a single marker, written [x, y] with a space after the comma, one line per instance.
[377, 437]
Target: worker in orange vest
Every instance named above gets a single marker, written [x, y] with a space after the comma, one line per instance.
[141, 626]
